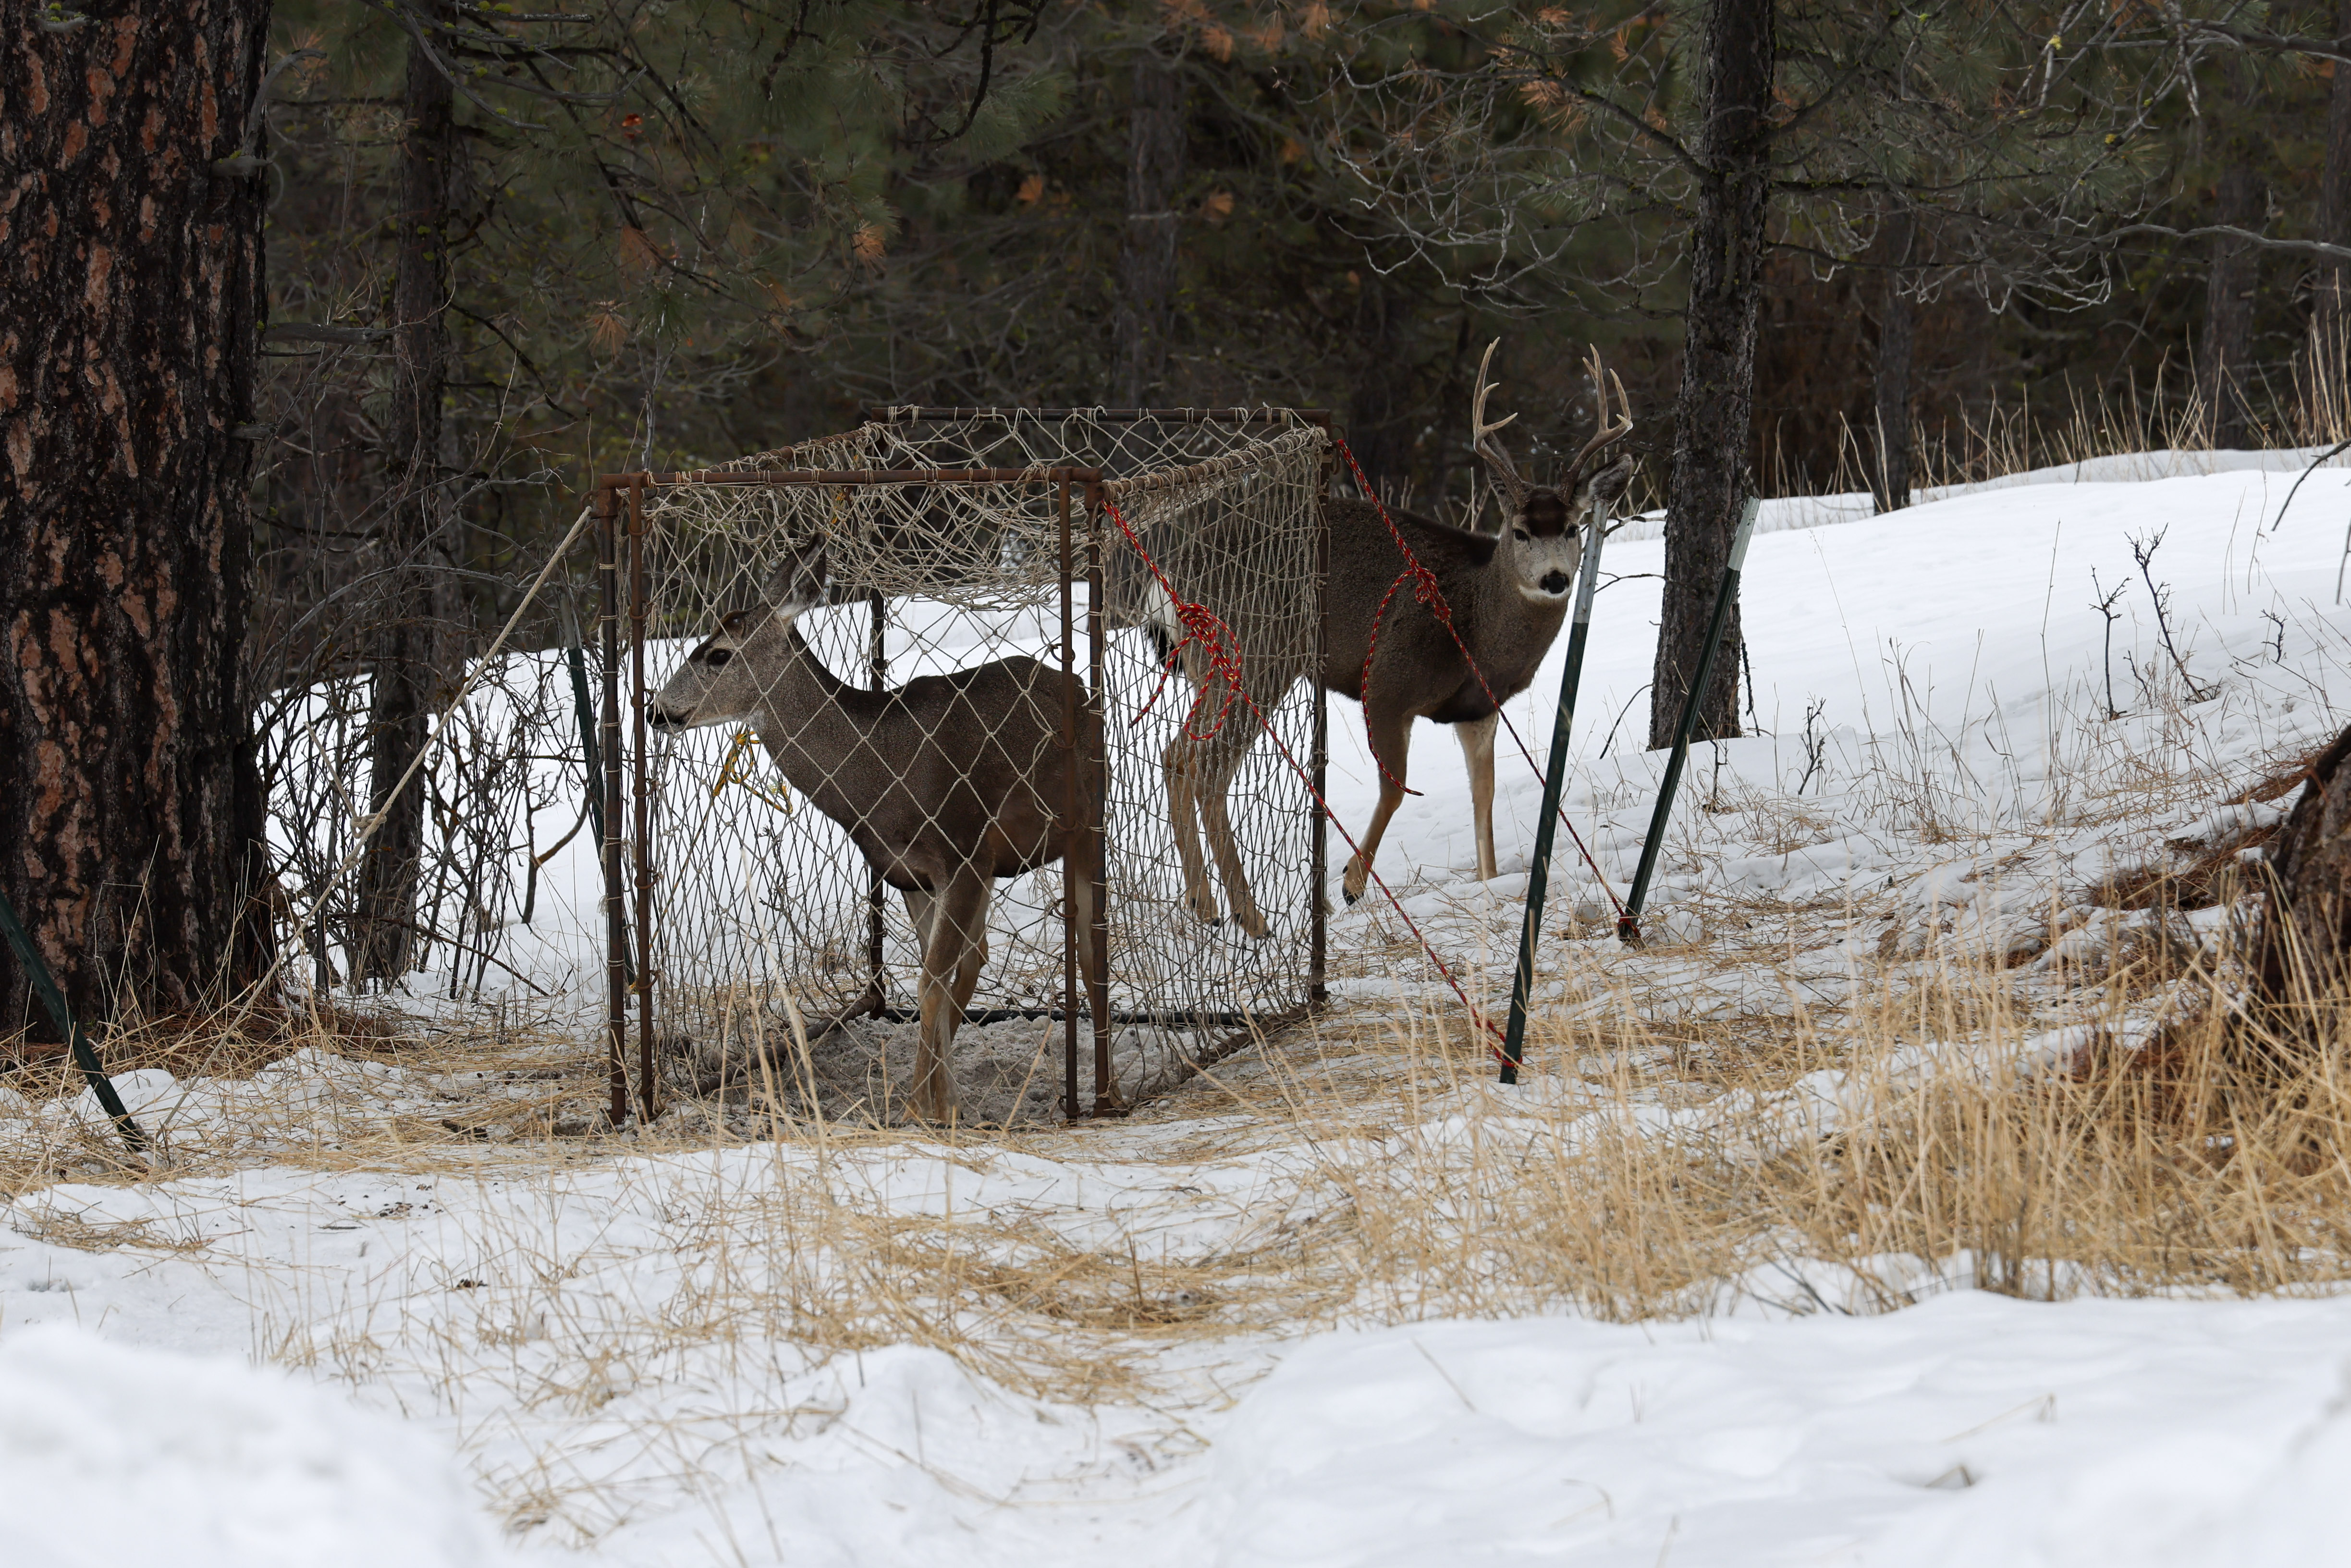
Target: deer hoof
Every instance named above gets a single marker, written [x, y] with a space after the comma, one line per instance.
[1253, 925]
[932, 1109]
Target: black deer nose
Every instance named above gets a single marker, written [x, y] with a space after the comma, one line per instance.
[1554, 582]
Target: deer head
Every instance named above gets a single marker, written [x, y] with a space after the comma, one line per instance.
[1542, 534]
[726, 677]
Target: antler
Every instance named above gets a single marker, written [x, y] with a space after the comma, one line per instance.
[1606, 435]
[1506, 473]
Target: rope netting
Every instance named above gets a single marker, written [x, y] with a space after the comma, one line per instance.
[915, 704]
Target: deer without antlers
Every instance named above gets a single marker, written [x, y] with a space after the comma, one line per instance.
[1508, 593]
[945, 784]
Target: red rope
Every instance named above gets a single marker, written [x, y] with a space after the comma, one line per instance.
[1200, 625]
[1429, 593]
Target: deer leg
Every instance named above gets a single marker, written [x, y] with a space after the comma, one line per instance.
[1477, 737]
[1390, 737]
[918, 910]
[975, 959]
[958, 919]
[1180, 766]
[1215, 821]
[1078, 872]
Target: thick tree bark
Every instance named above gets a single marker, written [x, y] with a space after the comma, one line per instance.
[1716, 405]
[130, 306]
[1897, 328]
[2334, 302]
[2234, 272]
[2300, 957]
[404, 662]
[1147, 262]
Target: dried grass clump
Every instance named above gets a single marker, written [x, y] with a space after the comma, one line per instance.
[1942, 1123]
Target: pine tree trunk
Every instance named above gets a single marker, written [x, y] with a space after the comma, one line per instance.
[131, 807]
[2233, 273]
[2334, 300]
[1380, 401]
[1896, 326]
[1147, 262]
[1715, 405]
[402, 663]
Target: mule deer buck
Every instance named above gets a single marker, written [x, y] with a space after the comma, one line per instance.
[1509, 594]
[945, 784]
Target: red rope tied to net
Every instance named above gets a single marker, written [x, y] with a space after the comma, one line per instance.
[1202, 626]
[1210, 631]
[1426, 591]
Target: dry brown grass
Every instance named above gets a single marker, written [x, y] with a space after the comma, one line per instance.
[1644, 1169]
[2107, 1171]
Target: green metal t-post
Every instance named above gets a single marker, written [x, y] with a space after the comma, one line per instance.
[1563, 724]
[583, 707]
[576, 658]
[84, 1057]
[1629, 925]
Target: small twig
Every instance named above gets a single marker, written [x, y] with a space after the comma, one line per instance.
[2105, 607]
[2324, 457]
[2143, 552]
[1620, 717]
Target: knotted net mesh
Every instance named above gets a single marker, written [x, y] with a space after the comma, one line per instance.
[887, 726]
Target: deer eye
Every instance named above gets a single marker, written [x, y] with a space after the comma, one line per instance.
[1520, 535]
[716, 656]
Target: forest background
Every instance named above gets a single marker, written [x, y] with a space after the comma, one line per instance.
[662, 234]
[1825, 244]
[740, 225]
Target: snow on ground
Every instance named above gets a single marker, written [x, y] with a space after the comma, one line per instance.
[111, 1454]
[643, 1351]
[1970, 1428]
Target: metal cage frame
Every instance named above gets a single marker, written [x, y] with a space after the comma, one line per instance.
[632, 980]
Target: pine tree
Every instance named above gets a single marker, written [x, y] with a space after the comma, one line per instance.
[131, 265]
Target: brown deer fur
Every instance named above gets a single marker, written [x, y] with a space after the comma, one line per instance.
[1508, 593]
[944, 784]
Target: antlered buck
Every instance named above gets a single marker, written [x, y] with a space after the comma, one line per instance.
[1508, 592]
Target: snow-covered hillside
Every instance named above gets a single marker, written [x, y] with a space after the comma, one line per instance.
[1195, 1337]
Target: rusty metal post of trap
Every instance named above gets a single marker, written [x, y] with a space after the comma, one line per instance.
[641, 782]
[877, 667]
[616, 929]
[1073, 836]
[1318, 901]
[1096, 803]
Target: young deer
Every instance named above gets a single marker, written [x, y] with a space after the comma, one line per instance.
[944, 784]
[1508, 592]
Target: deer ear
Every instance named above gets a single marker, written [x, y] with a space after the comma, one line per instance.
[797, 585]
[1610, 482]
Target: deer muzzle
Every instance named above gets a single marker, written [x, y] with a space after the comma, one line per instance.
[667, 718]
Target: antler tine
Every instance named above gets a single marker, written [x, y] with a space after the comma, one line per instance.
[1607, 434]
[1506, 473]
